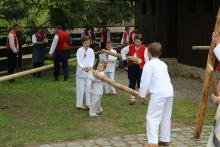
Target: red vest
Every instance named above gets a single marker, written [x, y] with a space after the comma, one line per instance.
[62, 41]
[40, 37]
[15, 40]
[131, 39]
[125, 37]
[218, 67]
[139, 53]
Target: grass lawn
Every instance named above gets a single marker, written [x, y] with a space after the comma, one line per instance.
[41, 110]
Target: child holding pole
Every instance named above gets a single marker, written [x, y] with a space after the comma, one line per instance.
[156, 81]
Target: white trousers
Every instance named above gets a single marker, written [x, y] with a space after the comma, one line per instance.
[95, 104]
[108, 88]
[83, 87]
[159, 116]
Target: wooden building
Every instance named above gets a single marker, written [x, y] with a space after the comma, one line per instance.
[178, 25]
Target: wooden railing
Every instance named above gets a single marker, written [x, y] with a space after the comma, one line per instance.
[26, 50]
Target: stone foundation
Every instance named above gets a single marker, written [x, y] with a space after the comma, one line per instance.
[187, 71]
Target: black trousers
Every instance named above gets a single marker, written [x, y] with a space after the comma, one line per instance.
[134, 75]
[12, 62]
[36, 65]
[61, 57]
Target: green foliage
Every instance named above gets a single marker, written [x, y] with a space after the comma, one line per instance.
[71, 13]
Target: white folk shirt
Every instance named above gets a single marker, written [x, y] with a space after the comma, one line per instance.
[97, 84]
[125, 51]
[84, 59]
[155, 80]
[111, 61]
[11, 43]
[217, 52]
[54, 44]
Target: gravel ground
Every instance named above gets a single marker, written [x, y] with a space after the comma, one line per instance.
[183, 87]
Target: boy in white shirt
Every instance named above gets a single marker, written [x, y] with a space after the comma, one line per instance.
[97, 91]
[110, 68]
[85, 61]
[156, 81]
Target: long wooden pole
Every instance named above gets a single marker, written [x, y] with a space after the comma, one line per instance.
[30, 71]
[204, 97]
[134, 59]
[116, 85]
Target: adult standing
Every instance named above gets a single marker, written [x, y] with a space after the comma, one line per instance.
[59, 48]
[12, 46]
[39, 41]
[133, 33]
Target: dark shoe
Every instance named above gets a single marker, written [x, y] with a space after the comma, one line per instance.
[163, 143]
[79, 109]
[132, 103]
[86, 108]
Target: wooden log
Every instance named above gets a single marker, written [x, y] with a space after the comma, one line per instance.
[29, 72]
[200, 47]
[116, 85]
[134, 59]
[204, 97]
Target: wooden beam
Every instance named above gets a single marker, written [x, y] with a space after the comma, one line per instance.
[200, 47]
[29, 72]
[134, 59]
[116, 85]
[204, 97]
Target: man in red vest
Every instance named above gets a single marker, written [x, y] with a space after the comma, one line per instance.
[12, 49]
[133, 33]
[60, 47]
[139, 51]
[126, 37]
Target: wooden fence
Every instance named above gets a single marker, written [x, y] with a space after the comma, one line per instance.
[26, 51]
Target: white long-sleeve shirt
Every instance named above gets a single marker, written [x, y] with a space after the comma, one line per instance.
[12, 44]
[54, 44]
[125, 50]
[155, 80]
[84, 59]
[97, 84]
[217, 52]
[111, 61]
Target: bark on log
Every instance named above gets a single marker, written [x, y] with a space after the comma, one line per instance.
[116, 85]
[204, 97]
[29, 72]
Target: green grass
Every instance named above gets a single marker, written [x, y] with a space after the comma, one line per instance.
[41, 110]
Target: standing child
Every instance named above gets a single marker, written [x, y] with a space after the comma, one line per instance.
[85, 61]
[97, 91]
[110, 69]
[156, 81]
[136, 50]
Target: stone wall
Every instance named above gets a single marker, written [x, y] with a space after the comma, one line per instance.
[176, 69]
